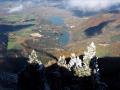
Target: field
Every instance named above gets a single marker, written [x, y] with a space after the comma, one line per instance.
[61, 33]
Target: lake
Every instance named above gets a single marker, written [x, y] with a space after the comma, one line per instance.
[57, 20]
[64, 38]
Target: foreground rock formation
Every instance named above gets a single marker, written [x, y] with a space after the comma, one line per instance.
[73, 73]
[64, 75]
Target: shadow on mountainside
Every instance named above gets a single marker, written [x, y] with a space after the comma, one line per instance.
[47, 54]
[5, 29]
[110, 71]
[96, 30]
[60, 78]
[12, 64]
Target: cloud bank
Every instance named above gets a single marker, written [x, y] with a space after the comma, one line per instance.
[16, 9]
[92, 5]
[81, 5]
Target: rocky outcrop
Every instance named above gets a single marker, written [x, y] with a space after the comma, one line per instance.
[33, 58]
[65, 74]
[77, 64]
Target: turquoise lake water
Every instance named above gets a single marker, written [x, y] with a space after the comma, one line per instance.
[64, 38]
[57, 20]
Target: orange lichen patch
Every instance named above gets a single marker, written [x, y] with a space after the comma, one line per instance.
[20, 39]
[67, 53]
[93, 21]
[115, 49]
[104, 44]
[51, 62]
[61, 53]
[117, 18]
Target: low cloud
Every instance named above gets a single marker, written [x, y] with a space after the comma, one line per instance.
[82, 5]
[92, 5]
[16, 9]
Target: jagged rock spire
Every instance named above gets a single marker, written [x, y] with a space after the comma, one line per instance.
[72, 61]
[75, 61]
[73, 55]
[33, 58]
[98, 84]
[91, 51]
[62, 61]
[78, 62]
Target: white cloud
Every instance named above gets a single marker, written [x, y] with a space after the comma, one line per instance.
[92, 5]
[16, 9]
[82, 5]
